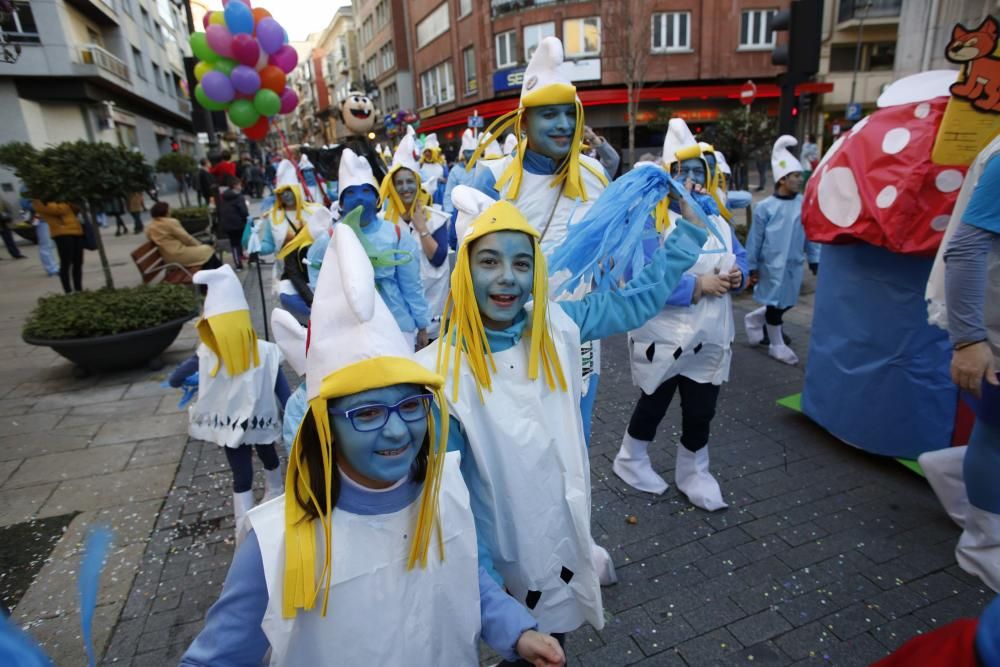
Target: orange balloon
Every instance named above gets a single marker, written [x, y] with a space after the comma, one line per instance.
[258, 14]
[272, 78]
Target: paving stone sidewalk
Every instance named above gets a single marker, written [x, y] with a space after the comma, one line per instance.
[826, 555]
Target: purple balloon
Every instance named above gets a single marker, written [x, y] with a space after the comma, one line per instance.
[289, 100]
[220, 40]
[246, 50]
[245, 79]
[285, 59]
[218, 87]
[270, 34]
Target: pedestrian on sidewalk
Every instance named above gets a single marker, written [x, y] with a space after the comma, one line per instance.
[777, 247]
[760, 160]
[204, 183]
[233, 215]
[6, 220]
[136, 205]
[114, 207]
[67, 232]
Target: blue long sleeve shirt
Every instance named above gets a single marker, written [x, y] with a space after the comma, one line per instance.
[233, 636]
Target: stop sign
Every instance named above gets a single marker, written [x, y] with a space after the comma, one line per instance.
[748, 92]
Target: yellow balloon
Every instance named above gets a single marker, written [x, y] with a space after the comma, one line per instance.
[217, 18]
[201, 69]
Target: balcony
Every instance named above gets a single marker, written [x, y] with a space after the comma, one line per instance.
[92, 54]
[184, 107]
[102, 12]
[874, 10]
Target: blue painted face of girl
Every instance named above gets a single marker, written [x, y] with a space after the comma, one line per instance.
[550, 129]
[503, 270]
[406, 185]
[382, 457]
[694, 169]
[364, 196]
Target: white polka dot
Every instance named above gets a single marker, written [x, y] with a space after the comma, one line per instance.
[922, 110]
[886, 197]
[838, 197]
[895, 140]
[833, 149]
[860, 124]
[949, 180]
[940, 222]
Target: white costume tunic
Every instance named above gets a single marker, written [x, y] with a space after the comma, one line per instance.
[693, 341]
[530, 483]
[436, 279]
[379, 613]
[233, 411]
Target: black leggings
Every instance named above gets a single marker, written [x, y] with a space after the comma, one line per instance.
[775, 316]
[241, 463]
[120, 226]
[236, 241]
[697, 409]
[70, 249]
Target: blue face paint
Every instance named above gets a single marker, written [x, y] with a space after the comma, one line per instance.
[467, 155]
[364, 196]
[406, 185]
[550, 129]
[692, 168]
[710, 159]
[383, 457]
[503, 270]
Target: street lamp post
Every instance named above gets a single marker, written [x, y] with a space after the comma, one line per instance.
[857, 46]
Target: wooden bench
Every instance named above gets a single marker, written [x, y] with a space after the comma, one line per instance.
[150, 263]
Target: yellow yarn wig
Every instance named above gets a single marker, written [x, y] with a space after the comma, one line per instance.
[462, 324]
[390, 199]
[232, 338]
[715, 183]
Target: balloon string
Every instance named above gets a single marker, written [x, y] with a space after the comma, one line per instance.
[288, 154]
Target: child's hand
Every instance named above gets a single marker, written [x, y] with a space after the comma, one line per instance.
[735, 278]
[713, 284]
[754, 279]
[540, 650]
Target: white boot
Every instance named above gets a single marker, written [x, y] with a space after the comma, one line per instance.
[603, 565]
[778, 349]
[978, 550]
[695, 481]
[943, 469]
[242, 503]
[632, 465]
[754, 324]
[274, 484]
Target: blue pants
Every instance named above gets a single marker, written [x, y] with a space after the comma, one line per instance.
[982, 467]
[587, 405]
[296, 305]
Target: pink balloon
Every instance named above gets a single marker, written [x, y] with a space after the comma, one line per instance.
[204, 20]
[289, 100]
[285, 59]
[220, 40]
[246, 50]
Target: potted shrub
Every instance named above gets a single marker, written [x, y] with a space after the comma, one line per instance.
[180, 166]
[108, 330]
[195, 219]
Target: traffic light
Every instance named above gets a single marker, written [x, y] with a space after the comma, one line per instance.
[803, 21]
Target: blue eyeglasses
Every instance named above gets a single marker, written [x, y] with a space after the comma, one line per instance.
[366, 418]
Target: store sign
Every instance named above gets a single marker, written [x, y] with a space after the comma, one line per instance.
[685, 114]
[588, 69]
[508, 79]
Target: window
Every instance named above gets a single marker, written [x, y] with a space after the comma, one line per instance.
[755, 29]
[388, 57]
[390, 98]
[366, 30]
[156, 77]
[371, 68]
[19, 26]
[873, 57]
[469, 67]
[127, 6]
[533, 34]
[140, 69]
[671, 32]
[582, 37]
[382, 13]
[432, 26]
[464, 8]
[881, 56]
[506, 49]
[145, 20]
[437, 85]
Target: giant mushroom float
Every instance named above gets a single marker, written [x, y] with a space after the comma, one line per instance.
[878, 373]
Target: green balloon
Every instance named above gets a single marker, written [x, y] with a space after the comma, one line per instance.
[266, 102]
[201, 49]
[242, 113]
[207, 102]
[225, 65]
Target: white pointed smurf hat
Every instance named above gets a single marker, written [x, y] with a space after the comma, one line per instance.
[723, 165]
[225, 293]
[225, 326]
[403, 157]
[544, 80]
[509, 144]
[782, 160]
[679, 139]
[290, 337]
[469, 141]
[354, 170]
[469, 204]
[285, 174]
[431, 142]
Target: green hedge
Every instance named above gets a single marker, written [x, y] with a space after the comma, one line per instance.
[190, 213]
[107, 312]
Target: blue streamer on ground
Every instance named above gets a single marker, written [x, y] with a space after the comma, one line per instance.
[18, 648]
[94, 553]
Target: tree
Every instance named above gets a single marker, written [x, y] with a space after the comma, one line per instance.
[181, 166]
[628, 41]
[80, 173]
[741, 132]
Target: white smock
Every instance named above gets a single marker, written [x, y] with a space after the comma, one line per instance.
[236, 411]
[379, 612]
[694, 341]
[530, 479]
[431, 173]
[435, 279]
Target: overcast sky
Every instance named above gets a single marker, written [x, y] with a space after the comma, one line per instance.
[298, 17]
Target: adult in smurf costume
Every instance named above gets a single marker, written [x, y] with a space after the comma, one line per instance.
[433, 171]
[459, 175]
[777, 247]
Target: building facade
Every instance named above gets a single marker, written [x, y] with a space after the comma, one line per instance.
[925, 30]
[385, 52]
[340, 67]
[97, 70]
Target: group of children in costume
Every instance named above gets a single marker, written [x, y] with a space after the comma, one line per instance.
[446, 492]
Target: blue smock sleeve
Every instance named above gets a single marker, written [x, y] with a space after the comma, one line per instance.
[737, 199]
[281, 389]
[503, 619]
[755, 237]
[183, 371]
[812, 252]
[441, 237]
[452, 232]
[983, 210]
[232, 634]
[965, 282]
[603, 314]
[295, 412]
[485, 182]
[314, 256]
[683, 293]
[741, 259]
[453, 179]
[408, 281]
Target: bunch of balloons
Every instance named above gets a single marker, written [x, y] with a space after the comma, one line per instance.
[244, 56]
[395, 123]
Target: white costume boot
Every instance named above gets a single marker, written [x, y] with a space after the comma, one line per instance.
[978, 550]
[603, 564]
[778, 349]
[943, 469]
[633, 466]
[242, 503]
[695, 481]
[753, 322]
[274, 484]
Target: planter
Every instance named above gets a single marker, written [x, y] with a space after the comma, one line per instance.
[194, 226]
[132, 349]
[26, 232]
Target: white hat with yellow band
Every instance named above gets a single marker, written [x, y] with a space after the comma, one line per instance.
[403, 158]
[225, 326]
